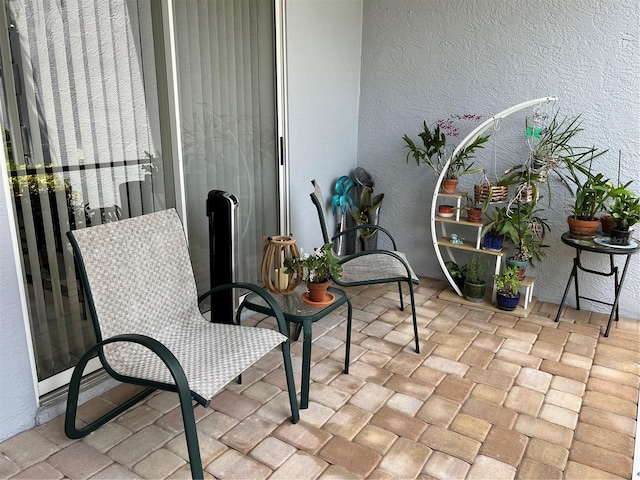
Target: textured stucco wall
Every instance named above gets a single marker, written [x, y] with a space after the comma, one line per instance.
[324, 47]
[425, 59]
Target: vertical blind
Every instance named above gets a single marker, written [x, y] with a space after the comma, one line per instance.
[86, 150]
[225, 57]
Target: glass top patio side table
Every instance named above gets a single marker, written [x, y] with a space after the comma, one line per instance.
[600, 245]
[296, 311]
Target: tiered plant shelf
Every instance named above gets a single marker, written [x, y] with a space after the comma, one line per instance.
[442, 238]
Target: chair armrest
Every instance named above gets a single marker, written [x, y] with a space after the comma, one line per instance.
[368, 227]
[168, 358]
[273, 305]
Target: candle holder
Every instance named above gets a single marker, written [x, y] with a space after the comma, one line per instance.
[276, 249]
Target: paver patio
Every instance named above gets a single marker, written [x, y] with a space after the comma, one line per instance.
[490, 395]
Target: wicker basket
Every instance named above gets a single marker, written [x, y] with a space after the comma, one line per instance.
[496, 193]
[525, 193]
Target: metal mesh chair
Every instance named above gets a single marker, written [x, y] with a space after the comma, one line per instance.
[142, 297]
[371, 267]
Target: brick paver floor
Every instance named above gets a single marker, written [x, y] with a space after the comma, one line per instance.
[491, 395]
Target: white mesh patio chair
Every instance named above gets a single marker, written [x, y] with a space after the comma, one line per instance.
[141, 294]
[370, 267]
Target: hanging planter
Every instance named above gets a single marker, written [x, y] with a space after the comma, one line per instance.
[524, 193]
[494, 193]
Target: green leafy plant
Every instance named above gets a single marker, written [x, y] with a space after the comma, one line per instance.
[556, 150]
[507, 283]
[434, 150]
[530, 230]
[592, 194]
[455, 271]
[521, 225]
[317, 267]
[498, 222]
[625, 210]
[475, 271]
[553, 150]
[368, 205]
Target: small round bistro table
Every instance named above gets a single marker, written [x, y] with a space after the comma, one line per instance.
[600, 245]
[296, 311]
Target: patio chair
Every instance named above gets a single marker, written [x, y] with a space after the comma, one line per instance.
[143, 301]
[370, 267]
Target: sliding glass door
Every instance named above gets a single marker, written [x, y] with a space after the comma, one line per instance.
[82, 136]
[84, 110]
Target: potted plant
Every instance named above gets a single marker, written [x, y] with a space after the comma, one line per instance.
[473, 209]
[475, 272]
[526, 231]
[435, 153]
[317, 268]
[494, 230]
[591, 195]
[508, 289]
[445, 211]
[625, 211]
[456, 273]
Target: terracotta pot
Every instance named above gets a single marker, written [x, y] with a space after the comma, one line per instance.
[474, 215]
[449, 185]
[582, 228]
[607, 223]
[445, 209]
[317, 291]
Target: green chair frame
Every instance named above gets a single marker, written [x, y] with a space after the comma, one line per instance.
[181, 385]
[396, 266]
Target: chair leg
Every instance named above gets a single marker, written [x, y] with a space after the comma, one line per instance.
[190, 432]
[415, 319]
[291, 386]
[401, 298]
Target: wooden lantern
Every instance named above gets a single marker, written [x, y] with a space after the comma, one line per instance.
[276, 249]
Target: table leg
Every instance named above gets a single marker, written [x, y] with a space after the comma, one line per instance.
[566, 290]
[347, 350]
[614, 307]
[614, 269]
[576, 262]
[306, 363]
